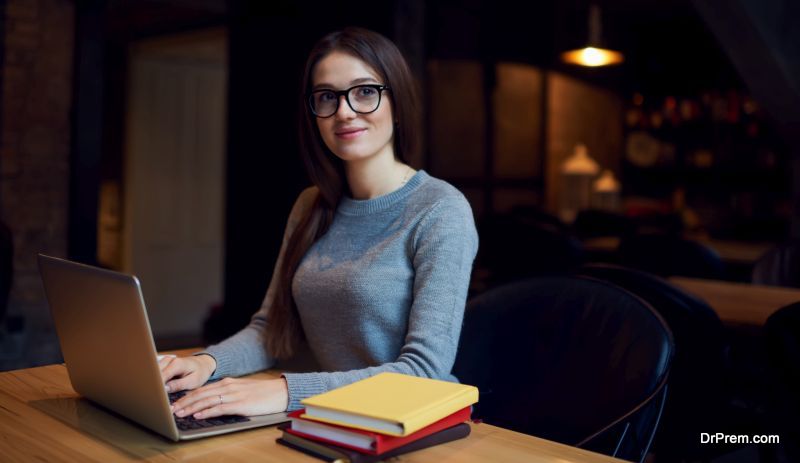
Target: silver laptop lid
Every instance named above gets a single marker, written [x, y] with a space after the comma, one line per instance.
[106, 341]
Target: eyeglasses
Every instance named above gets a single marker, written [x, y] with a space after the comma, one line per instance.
[362, 99]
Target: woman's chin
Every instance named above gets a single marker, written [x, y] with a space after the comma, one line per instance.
[352, 155]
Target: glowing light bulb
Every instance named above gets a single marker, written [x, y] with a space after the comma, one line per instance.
[592, 57]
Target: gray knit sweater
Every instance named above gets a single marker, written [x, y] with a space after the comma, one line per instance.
[383, 290]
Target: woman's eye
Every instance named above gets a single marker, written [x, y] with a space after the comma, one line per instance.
[366, 91]
[326, 96]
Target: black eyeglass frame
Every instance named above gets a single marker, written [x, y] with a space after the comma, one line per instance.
[378, 87]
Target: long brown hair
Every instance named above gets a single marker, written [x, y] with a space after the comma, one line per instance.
[326, 170]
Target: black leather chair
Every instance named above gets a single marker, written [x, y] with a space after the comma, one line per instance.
[593, 223]
[667, 255]
[701, 395]
[782, 339]
[524, 244]
[780, 266]
[570, 359]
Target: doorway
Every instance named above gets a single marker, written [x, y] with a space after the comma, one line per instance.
[174, 179]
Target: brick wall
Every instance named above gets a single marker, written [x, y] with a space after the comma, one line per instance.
[34, 156]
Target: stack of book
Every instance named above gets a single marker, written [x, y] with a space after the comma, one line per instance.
[379, 417]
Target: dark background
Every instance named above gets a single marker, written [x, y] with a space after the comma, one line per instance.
[677, 48]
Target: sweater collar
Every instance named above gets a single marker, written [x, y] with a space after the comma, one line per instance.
[350, 206]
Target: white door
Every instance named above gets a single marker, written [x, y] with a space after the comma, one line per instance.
[174, 178]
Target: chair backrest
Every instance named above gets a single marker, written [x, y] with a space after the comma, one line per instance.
[782, 340]
[515, 246]
[566, 358]
[782, 335]
[6, 267]
[592, 223]
[667, 255]
[697, 376]
[779, 266]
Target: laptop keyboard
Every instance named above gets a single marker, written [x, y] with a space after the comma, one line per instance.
[188, 423]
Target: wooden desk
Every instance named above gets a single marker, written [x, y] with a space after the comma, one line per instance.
[738, 252]
[741, 304]
[43, 419]
[731, 252]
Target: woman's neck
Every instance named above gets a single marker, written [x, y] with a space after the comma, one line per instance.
[376, 176]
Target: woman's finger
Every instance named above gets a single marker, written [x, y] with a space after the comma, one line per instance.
[202, 402]
[182, 373]
[201, 393]
[225, 405]
[165, 358]
[170, 368]
[189, 381]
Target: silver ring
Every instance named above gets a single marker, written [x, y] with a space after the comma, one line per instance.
[220, 400]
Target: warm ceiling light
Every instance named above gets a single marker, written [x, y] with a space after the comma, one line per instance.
[593, 55]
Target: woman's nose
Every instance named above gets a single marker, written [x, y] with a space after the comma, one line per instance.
[344, 111]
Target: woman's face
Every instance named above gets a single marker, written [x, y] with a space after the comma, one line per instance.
[350, 135]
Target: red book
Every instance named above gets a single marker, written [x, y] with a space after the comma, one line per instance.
[335, 453]
[368, 442]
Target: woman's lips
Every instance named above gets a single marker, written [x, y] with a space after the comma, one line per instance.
[348, 134]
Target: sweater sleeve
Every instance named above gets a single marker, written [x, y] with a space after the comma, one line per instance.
[245, 352]
[444, 243]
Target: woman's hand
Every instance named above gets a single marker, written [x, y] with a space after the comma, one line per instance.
[235, 396]
[181, 373]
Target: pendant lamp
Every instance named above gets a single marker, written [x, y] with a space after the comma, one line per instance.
[593, 55]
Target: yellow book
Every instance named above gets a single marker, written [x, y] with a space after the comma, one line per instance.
[390, 403]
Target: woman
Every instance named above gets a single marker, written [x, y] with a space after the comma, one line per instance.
[376, 258]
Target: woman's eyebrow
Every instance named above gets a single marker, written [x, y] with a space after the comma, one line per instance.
[360, 80]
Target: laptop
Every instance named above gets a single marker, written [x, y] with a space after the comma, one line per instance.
[108, 348]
